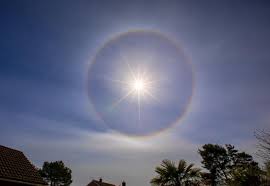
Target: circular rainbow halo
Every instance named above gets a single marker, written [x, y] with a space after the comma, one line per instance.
[140, 83]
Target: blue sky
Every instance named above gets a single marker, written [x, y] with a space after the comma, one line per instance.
[45, 51]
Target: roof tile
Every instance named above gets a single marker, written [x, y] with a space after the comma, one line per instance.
[15, 166]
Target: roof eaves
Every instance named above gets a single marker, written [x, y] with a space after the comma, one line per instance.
[23, 182]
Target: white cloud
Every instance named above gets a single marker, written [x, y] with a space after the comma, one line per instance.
[110, 155]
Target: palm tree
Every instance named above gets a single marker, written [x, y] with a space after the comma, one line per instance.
[171, 175]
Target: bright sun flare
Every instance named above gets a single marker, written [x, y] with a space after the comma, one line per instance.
[137, 85]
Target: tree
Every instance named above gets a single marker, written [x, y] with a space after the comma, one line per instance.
[245, 175]
[206, 178]
[56, 173]
[215, 160]
[170, 174]
[228, 166]
[263, 138]
[267, 169]
[266, 174]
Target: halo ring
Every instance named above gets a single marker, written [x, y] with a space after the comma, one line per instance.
[179, 49]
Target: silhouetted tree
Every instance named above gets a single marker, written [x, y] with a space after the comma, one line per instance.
[266, 174]
[228, 166]
[215, 160]
[206, 178]
[170, 174]
[245, 175]
[263, 138]
[56, 173]
[267, 168]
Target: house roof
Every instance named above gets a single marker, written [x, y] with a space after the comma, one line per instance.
[98, 183]
[15, 166]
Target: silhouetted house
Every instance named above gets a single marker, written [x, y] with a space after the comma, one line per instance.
[101, 183]
[16, 169]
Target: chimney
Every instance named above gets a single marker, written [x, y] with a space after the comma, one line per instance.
[100, 180]
[123, 183]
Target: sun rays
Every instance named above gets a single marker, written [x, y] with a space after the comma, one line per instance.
[137, 85]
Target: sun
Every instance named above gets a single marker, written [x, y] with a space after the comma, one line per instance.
[138, 86]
